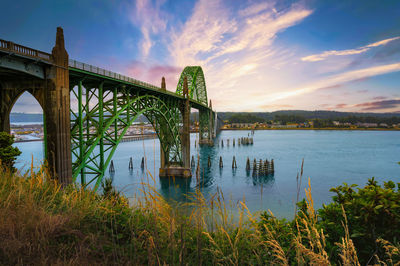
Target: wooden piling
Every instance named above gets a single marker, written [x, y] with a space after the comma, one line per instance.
[266, 166]
[234, 162]
[111, 169]
[198, 170]
[248, 164]
[233, 142]
[192, 163]
[272, 166]
[130, 163]
[209, 162]
[142, 163]
[221, 163]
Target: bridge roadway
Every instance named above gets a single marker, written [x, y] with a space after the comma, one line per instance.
[87, 110]
[23, 59]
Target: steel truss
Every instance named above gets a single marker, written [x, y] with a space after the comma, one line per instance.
[103, 117]
[196, 84]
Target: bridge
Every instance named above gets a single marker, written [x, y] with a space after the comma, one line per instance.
[87, 110]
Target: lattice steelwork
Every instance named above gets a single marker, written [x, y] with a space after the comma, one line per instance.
[196, 84]
[107, 103]
[98, 127]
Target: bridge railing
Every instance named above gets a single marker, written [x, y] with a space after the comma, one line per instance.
[23, 50]
[107, 73]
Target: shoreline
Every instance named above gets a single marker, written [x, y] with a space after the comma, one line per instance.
[326, 128]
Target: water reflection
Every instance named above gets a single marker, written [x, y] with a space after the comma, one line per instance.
[206, 178]
[263, 179]
[176, 189]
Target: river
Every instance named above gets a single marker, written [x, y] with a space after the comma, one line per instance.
[330, 158]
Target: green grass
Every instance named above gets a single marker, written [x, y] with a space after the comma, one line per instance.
[43, 223]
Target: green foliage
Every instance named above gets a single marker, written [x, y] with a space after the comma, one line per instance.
[280, 230]
[43, 223]
[320, 123]
[8, 153]
[245, 118]
[284, 119]
[109, 190]
[373, 212]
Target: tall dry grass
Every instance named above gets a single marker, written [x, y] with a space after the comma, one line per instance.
[43, 223]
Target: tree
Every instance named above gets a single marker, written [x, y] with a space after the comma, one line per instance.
[8, 153]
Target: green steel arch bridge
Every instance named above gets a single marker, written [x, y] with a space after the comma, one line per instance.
[87, 110]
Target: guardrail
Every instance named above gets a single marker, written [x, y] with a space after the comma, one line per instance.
[107, 73]
[23, 50]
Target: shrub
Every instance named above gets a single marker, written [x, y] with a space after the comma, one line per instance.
[373, 212]
[8, 153]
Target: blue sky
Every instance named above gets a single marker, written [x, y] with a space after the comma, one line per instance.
[256, 55]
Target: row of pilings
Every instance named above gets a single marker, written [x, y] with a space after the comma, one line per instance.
[259, 167]
[244, 141]
[111, 168]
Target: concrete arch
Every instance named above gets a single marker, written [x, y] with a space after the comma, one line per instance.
[8, 98]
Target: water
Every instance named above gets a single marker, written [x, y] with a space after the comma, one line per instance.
[26, 123]
[330, 158]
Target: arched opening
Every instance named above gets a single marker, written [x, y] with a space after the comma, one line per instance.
[27, 126]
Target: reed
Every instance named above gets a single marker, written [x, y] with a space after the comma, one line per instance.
[44, 223]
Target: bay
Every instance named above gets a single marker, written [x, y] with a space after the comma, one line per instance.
[330, 158]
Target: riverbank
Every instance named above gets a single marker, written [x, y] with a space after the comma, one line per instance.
[327, 128]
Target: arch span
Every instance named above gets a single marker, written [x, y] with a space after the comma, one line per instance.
[96, 133]
[196, 84]
[8, 98]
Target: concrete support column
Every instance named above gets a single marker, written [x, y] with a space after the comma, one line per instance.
[162, 157]
[186, 127]
[178, 171]
[57, 113]
[163, 84]
[210, 125]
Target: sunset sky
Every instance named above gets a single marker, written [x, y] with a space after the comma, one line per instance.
[256, 55]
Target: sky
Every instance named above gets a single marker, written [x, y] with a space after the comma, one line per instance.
[256, 55]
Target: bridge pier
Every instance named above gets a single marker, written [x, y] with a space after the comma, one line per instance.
[206, 126]
[51, 89]
[56, 111]
[184, 169]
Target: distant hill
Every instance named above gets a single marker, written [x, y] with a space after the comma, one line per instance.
[307, 114]
[266, 116]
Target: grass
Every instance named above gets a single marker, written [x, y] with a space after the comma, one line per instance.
[43, 223]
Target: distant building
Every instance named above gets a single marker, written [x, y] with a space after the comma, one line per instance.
[241, 125]
[366, 124]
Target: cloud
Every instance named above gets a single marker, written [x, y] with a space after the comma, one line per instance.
[149, 18]
[254, 9]
[153, 74]
[331, 81]
[379, 98]
[379, 105]
[340, 105]
[359, 50]
[234, 48]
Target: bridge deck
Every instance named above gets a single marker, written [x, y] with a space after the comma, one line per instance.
[77, 68]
